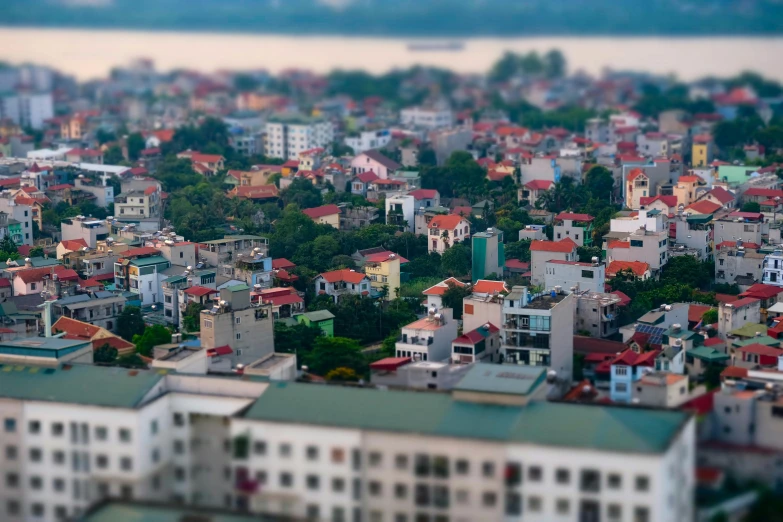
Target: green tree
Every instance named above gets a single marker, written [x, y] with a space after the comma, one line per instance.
[152, 337]
[303, 193]
[426, 157]
[330, 353]
[191, 317]
[8, 246]
[751, 206]
[38, 251]
[563, 195]
[132, 360]
[105, 355]
[130, 323]
[586, 254]
[456, 261]
[245, 82]
[299, 338]
[135, 145]
[453, 296]
[342, 375]
[555, 64]
[600, 183]
[104, 136]
[710, 316]
[113, 155]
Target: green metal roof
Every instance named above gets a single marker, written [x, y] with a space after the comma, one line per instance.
[38, 262]
[502, 378]
[147, 261]
[176, 279]
[115, 511]
[705, 353]
[601, 427]
[749, 330]
[766, 340]
[77, 384]
[50, 347]
[237, 288]
[319, 315]
[698, 218]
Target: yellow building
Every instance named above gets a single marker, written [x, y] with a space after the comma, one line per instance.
[701, 152]
[685, 189]
[324, 215]
[383, 270]
[71, 129]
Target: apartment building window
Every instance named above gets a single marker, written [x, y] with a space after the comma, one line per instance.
[615, 481]
[513, 504]
[261, 477]
[155, 455]
[338, 455]
[400, 491]
[440, 496]
[102, 462]
[101, 433]
[489, 499]
[10, 425]
[440, 467]
[37, 509]
[11, 452]
[535, 473]
[422, 465]
[259, 447]
[534, 504]
[375, 459]
[60, 512]
[614, 512]
[374, 488]
[34, 427]
[126, 492]
[462, 467]
[513, 474]
[313, 512]
[562, 476]
[338, 485]
[125, 435]
[13, 507]
[642, 483]
[36, 482]
[286, 480]
[313, 482]
[338, 514]
[590, 481]
[179, 419]
[35, 454]
[488, 469]
[422, 495]
[312, 453]
[562, 506]
[57, 429]
[285, 450]
[239, 336]
[154, 427]
[179, 474]
[401, 461]
[58, 457]
[11, 480]
[641, 514]
[58, 484]
[126, 464]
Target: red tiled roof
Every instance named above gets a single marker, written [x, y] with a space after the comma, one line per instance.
[118, 343]
[257, 192]
[624, 299]
[767, 193]
[89, 283]
[669, 201]
[743, 302]
[639, 268]
[713, 341]
[761, 349]
[725, 298]
[206, 158]
[140, 251]
[199, 291]
[563, 246]
[282, 263]
[367, 177]
[423, 194]
[349, 276]
[446, 222]
[762, 291]
[440, 288]
[690, 179]
[291, 164]
[574, 217]
[517, 264]
[631, 358]
[462, 211]
[734, 372]
[722, 195]
[616, 243]
[5, 282]
[220, 350]
[63, 186]
[318, 212]
[635, 173]
[280, 300]
[483, 286]
[474, 336]
[588, 345]
[389, 363]
[74, 328]
[33, 275]
[10, 182]
[703, 207]
[380, 257]
[539, 184]
[74, 244]
[696, 311]
[747, 215]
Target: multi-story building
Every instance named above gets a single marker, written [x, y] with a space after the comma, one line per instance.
[772, 267]
[597, 314]
[288, 135]
[101, 309]
[140, 203]
[446, 231]
[428, 339]
[488, 254]
[574, 276]
[27, 109]
[435, 293]
[577, 227]
[220, 251]
[142, 275]
[244, 326]
[341, 282]
[175, 298]
[324, 215]
[383, 271]
[702, 150]
[737, 314]
[637, 187]
[368, 139]
[740, 261]
[486, 451]
[537, 330]
[740, 226]
[641, 244]
[20, 219]
[89, 229]
[403, 210]
[481, 344]
[434, 117]
[373, 161]
[543, 251]
[626, 369]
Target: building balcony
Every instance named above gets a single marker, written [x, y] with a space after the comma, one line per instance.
[416, 341]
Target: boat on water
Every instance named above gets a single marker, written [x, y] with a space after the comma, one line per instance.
[436, 46]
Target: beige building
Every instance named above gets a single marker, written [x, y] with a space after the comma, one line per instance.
[324, 215]
[543, 251]
[478, 310]
[661, 390]
[247, 328]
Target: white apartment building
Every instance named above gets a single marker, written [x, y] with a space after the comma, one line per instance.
[537, 330]
[773, 268]
[27, 109]
[737, 314]
[368, 139]
[574, 274]
[21, 213]
[597, 313]
[427, 117]
[87, 228]
[295, 449]
[287, 136]
[428, 339]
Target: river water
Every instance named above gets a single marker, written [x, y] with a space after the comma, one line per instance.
[89, 54]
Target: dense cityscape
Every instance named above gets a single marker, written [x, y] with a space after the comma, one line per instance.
[423, 296]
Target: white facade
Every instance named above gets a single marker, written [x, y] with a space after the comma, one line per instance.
[773, 268]
[428, 339]
[22, 213]
[27, 109]
[370, 139]
[286, 138]
[656, 222]
[567, 274]
[90, 229]
[427, 117]
[402, 209]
